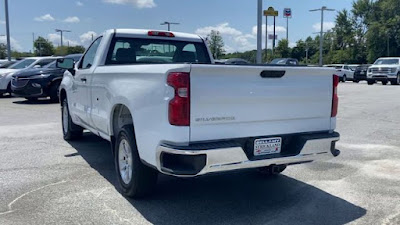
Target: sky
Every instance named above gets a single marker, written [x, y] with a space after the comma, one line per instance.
[235, 19]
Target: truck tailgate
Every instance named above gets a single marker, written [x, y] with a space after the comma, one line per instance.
[236, 101]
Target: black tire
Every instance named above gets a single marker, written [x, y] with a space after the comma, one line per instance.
[54, 92]
[344, 79]
[32, 99]
[371, 82]
[71, 131]
[397, 81]
[384, 82]
[356, 81]
[271, 170]
[142, 179]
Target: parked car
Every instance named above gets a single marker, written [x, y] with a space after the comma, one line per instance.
[344, 72]
[233, 61]
[360, 73]
[39, 82]
[7, 64]
[384, 70]
[27, 63]
[285, 61]
[174, 112]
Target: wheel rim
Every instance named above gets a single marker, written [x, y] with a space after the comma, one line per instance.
[398, 79]
[65, 118]
[344, 78]
[125, 161]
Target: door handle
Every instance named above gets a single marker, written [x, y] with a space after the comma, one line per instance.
[83, 80]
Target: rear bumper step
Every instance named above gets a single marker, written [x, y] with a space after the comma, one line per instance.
[207, 158]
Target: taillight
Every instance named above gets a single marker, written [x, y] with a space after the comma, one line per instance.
[179, 106]
[335, 97]
[160, 34]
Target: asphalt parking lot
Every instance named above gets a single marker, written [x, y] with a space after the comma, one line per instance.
[45, 180]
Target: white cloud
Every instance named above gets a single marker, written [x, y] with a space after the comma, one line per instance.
[236, 40]
[223, 29]
[44, 18]
[79, 3]
[72, 19]
[56, 40]
[137, 3]
[278, 30]
[14, 43]
[327, 26]
[86, 38]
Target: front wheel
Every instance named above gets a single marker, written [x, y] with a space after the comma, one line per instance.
[344, 79]
[370, 82]
[71, 131]
[384, 82]
[397, 81]
[54, 92]
[136, 179]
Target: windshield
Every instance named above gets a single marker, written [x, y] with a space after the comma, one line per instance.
[153, 51]
[386, 62]
[51, 65]
[278, 61]
[23, 64]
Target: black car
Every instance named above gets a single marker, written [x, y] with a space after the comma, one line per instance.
[39, 82]
[360, 73]
[285, 61]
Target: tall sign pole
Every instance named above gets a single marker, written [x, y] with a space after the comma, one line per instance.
[271, 12]
[287, 13]
[259, 32]
[7, 31]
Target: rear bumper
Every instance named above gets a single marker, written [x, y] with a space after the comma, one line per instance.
[225, 156]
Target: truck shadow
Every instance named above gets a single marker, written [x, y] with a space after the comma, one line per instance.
[242, 197]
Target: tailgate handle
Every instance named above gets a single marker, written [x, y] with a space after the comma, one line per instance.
[272, 73]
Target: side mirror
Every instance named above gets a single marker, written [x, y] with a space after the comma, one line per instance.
[66, 63]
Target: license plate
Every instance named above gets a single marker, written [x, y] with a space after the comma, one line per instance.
[267, 146]
[362, 73]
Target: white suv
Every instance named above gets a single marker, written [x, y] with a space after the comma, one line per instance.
[384, 70]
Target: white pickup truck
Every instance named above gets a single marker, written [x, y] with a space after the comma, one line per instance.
[165, 107]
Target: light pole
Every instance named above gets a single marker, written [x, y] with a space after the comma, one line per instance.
[61, 33]
[321, 40]
[259, 31]
[7, 31]
[169, 24]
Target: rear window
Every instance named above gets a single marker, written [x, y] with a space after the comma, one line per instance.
[153, 51]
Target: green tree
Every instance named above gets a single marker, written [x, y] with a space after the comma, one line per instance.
[216, 44]
[43, 47]
[283, 50]
[3, 51]
[65, 50]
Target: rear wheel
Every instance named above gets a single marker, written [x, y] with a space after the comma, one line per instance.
[271, 170]
[384, 82]
[344, 79]
[136, 179]
[71, 131]
[370, 82]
